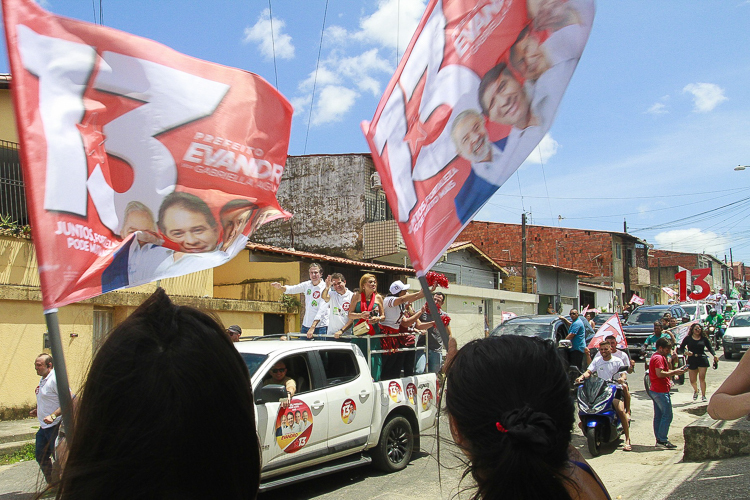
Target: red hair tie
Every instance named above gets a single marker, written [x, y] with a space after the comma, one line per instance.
[500, 427]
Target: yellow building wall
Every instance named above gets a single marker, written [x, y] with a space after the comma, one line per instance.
[7, 118]
[22, 328]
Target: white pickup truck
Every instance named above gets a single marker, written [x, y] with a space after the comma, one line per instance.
[337, 413]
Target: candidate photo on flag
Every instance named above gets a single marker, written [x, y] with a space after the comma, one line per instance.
[476, 91]
[140, 162]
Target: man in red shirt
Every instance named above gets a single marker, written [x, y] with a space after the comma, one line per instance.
[660, 381]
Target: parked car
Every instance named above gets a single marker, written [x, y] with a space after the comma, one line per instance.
[640, 323]
[697, 310]
[737, 337]
[544, 326]
[338, 418]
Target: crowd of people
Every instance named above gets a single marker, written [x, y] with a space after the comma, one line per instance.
[372, 321]
[167, 370]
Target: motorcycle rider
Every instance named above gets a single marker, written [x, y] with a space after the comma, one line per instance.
[717, 321]
[607, 367]
[630, 363]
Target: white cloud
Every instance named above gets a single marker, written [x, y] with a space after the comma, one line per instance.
[301, 104]
[546, 149]
[279, 43]
[692, 240]
[658, 108]
[332, 104]
[706, 96]
[334, 36]
[393, 20]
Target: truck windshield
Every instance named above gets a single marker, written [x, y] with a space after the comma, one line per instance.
[643, 317]
[253, 361]
[689, 309]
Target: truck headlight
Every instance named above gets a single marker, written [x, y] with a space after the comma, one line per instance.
[728, 338]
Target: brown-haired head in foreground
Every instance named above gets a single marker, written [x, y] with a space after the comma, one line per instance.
[166, 412]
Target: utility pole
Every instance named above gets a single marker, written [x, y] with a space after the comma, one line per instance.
[624, 226]
[731, 267]
[523, 252]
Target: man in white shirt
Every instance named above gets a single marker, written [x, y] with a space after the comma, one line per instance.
[338, 298]
[312, 290]
[606, 368]
[626, 361]
[48, 412]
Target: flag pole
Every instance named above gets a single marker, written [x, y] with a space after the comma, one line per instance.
[61, 372]
[430, 300]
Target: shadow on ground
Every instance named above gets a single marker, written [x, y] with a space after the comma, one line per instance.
[725, 478]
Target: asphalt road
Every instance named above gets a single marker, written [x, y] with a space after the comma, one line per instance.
[644, 473]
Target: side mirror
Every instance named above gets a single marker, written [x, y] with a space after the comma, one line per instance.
[565, 343]
[623, 369]
[271, 394]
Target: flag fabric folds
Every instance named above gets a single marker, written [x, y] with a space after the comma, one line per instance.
[476, 91]
[610, 327]
[140, 163]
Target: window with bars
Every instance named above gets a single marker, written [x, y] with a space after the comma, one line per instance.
[12, 194]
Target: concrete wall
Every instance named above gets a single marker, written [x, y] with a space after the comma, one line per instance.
[326, 194]
[7, 118]
[466, 307]
[602, 298]
[550, 281]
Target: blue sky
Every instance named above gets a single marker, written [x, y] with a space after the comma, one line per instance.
[652, 124]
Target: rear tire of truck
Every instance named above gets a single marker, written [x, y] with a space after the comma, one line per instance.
[727, 355]
[395, 447]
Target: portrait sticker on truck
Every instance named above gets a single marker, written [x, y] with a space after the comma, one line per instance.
[426, 399]
[411, 393]
[293, 426]
[394, 391]
[348, 411]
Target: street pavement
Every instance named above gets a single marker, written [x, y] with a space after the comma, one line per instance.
[645, 473]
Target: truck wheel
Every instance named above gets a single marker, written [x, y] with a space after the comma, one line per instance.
[727, 355]
[395, 446]
[594, 441]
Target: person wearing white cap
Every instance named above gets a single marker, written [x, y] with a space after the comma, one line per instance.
[398, 315]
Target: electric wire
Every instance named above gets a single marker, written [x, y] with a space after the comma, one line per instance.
[315, 78]
[683, 219]
[273, 45]
[544, 176]
[588, 198]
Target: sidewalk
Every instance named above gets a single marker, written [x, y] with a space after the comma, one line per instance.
[14, 434]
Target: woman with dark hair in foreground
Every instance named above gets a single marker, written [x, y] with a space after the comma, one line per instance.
[511, 413]
[166, 412]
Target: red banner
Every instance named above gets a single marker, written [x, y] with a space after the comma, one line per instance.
[140, 162]
[476, 91]
[611, 327]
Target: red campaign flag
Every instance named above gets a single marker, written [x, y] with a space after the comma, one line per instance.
[475, 92]
[635, 299]
[140, 163]
[610, 327]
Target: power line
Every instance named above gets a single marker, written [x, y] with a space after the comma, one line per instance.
[665, 224]
[315, 78]
[273, 45]
[588, 198]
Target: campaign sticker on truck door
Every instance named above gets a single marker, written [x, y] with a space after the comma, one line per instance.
[394, 391]
[411, 393]
[293, 426]
[348, 411]
[426, 399]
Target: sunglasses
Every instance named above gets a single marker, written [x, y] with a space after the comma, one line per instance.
[277, 370]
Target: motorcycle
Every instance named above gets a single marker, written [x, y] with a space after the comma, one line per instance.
[599, 420]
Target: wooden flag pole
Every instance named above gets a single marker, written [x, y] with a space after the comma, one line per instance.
[61, 372]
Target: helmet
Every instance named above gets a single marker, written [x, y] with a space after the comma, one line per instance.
[712, 311]
[685, 318]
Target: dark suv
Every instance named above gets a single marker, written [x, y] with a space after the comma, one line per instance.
[640, 323]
